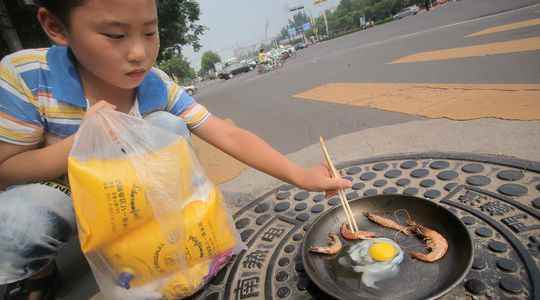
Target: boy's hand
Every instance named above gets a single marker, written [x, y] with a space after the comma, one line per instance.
[96, 107]
[318, 178]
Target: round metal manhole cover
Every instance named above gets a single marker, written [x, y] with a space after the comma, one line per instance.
[498, 199]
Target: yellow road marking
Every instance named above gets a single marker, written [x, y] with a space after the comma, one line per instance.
[453, 101]
[507, 27]
[522, 45]
[219, 166]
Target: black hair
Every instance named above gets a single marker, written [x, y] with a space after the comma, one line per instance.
[60, 8]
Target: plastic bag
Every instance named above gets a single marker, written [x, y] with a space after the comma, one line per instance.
[151, 224]
[36, 221]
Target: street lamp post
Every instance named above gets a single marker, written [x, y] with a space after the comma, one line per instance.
[319, 2]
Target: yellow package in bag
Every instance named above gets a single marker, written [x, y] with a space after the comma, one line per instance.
[109, 197]
[147, 253]
[186, 283]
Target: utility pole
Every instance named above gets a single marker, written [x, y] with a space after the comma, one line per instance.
[8, 31]
[326, 24]
[267, 25]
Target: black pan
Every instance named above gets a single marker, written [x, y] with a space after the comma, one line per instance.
[416, 280]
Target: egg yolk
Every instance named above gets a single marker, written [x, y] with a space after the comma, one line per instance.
[382, 251]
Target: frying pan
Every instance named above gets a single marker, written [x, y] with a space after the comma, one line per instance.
[416, 279]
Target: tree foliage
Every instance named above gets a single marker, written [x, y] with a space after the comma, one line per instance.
[178, 24]
[177, 67]
[346, 16]
[208, 60]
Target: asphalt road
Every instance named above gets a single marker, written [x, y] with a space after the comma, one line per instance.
[265, 104]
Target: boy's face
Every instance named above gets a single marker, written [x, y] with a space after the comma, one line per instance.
[115, 40]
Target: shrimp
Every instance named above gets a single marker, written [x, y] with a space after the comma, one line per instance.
[435, 242]
[388, 223]
[348, 234]
[334, 245]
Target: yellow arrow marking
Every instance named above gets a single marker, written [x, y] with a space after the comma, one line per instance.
[507, 27]
[522, 45]
[453, 101]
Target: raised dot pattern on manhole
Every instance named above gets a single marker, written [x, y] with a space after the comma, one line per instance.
[478, 180]
[354, 170]
[393, 174]
[497, 202]
[380, 167]
[351, 195]
[420, 173]
[427, 183]
[403, 182]
[368, 176]
[447, 175]
[318, 198]
[380, 183]
[510, 175]
[301, 196]
[358, 186]
[440, 164]
[390, 190]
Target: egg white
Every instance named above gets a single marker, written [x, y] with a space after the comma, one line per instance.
[372, 271]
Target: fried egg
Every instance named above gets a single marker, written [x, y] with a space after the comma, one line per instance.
[377, 259]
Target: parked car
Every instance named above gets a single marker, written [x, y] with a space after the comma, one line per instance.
[407, 11]
[300, 46]
[233, 69]
[291, 50]
[252, 63]
[368, 24]
[191, 89]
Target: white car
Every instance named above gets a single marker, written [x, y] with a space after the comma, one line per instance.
[191, 89]
[407, 11]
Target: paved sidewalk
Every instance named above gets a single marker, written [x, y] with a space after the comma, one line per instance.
[517, 139]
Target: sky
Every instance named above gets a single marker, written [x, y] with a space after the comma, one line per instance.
[240, 23]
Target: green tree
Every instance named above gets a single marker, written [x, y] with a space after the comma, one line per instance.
[345, 6]
[178, 25]
[177, 67]
[208, 60]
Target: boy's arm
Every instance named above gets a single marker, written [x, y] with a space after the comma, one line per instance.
[252, 150]
[22, 164]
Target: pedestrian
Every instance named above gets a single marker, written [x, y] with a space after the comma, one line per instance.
[103, 57]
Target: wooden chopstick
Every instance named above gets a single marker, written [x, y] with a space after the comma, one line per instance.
[348, 212]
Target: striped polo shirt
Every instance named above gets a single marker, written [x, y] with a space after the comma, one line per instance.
[41, 95]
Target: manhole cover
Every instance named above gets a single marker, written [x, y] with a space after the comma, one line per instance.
[498, 199]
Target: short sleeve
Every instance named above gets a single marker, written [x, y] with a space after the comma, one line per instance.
[20, 120]
[181, 104]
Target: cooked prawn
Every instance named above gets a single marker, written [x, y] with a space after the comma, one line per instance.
[435, 242]
[388, 223]
[348, 234]
[334, 245]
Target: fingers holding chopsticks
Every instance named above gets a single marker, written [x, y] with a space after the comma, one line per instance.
[322, 180]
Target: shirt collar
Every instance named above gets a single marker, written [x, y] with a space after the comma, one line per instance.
[66, 82]
[151, 93]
